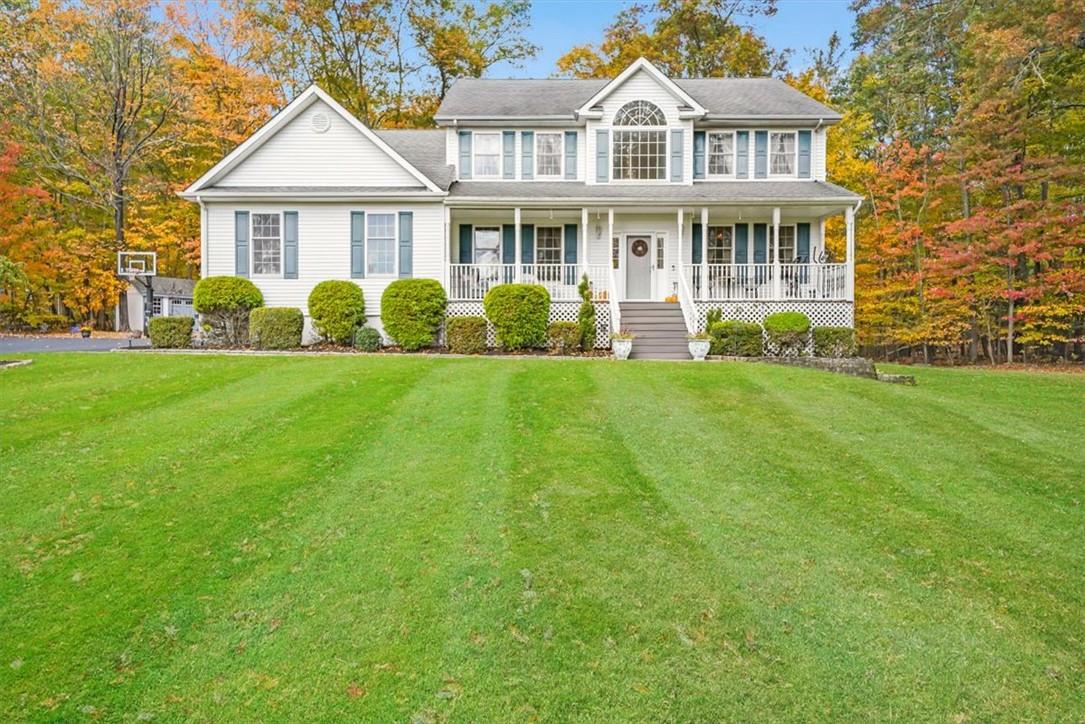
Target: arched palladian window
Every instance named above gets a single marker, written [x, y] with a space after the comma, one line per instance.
[640, 154]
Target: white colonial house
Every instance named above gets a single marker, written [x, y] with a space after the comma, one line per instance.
[707, 191]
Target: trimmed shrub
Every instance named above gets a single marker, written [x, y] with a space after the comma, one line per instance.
[563, 337]
[412, 311]
[712, 316]
[519, 313]
[367, 339]
[738, 339]
[787, 332]
[170, 332]
[276, 327]
[585, 317]
[466, 335]
[835, 342]
[337, 308]
[225, 303]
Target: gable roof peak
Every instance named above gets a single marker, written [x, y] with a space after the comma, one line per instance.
[645, 65]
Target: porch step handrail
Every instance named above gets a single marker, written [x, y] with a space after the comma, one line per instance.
[685, 300]
[612, 296]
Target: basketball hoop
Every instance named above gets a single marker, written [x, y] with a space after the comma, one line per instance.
[132, 264]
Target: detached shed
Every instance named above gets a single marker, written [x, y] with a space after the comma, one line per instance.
[170, 297]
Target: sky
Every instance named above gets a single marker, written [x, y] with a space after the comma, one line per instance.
[558, 25]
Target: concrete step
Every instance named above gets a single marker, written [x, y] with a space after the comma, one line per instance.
[654, 333]
[649, 305]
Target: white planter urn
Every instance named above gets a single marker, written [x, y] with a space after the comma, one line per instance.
[621, 348]
[698, 348]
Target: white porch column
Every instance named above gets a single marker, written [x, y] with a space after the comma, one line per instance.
[610, 252]
[681, 235]
[849, 226]
[821, 241]
[519, 256]
[704, 253]
[445, 258]
[777, 287]
[585, 260]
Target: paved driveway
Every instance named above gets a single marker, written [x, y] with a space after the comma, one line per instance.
[66, 344]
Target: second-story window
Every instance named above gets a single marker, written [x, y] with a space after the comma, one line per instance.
[782, 154]
[548, 154]
[640, 155]
[487, 155]
[721, 154]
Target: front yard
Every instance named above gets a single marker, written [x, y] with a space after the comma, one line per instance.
[400, 538]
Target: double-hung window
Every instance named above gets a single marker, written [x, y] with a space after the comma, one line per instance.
[721, 154]
[487, 155]
[640, 155]
[487, 245]
[549, 150]
[719, 245]
[267, 244]
[787, 244]
[380, 239]
[782, 154]
[548, 245]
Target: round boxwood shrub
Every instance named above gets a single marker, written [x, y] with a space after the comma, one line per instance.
[276, 327]
[412, 311]
[367, 339]
[225, 303]
[466, 335]
[787, 332]
[835, 342]
[170, 332]
[337, 308]
[519, 313]
[563, 337]
[735, 338]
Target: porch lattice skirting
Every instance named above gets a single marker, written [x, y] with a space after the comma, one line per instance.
[559, 312]
[821, 314]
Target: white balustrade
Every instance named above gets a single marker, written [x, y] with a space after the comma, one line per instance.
[470, 282]
[754, 282]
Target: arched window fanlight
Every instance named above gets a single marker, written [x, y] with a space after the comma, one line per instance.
[639, 113]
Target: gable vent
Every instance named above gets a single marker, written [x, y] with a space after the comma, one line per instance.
[320, 122]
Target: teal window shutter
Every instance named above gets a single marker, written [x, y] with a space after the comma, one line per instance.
[527, 244]
[508, 244]
[677, 142]
[465, 243]
[570, 243]
[802, 242]
[699, 142]
[508, 154]
[465, 154]
[760, 243]
[698, 237]
[742, 152]
[804, 154]
[570, 154]
[241, 243]
[742, 243]
[761, 154]
[290, 245]
[527, 155]
[406, 244]
[602, 155]
[357, 244]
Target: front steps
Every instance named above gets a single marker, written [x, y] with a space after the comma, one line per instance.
[659, 327]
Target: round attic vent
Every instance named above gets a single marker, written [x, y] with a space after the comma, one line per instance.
[320, 122]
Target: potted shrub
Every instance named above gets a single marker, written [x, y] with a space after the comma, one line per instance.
[621, 343]
[699, 345]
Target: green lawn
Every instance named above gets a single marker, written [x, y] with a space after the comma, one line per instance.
[392, 538]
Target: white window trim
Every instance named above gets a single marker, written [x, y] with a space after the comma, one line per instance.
[252, 244]
[706, 238]
[500, 153]
[561, 155]
[474, 240]
[395, 245]
[795, 156]
[561, 245]
[708, 156]
[666, 130]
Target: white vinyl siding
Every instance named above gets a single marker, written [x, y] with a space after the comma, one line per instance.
[548, 245]
[380, 244]
[783, 153]
[486, 148]
[267, 244]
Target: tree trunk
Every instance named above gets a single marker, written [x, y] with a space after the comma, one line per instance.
[1009, 333]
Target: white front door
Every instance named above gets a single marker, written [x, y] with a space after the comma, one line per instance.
[638, 267]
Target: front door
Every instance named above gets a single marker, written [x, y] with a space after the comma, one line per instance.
[638, 267]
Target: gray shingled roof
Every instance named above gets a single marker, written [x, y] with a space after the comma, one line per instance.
[422, 148]
[722, 98]
[708, 191]
[357, 190]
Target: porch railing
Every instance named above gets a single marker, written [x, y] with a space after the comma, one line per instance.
[756, 282]
[470, 282]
